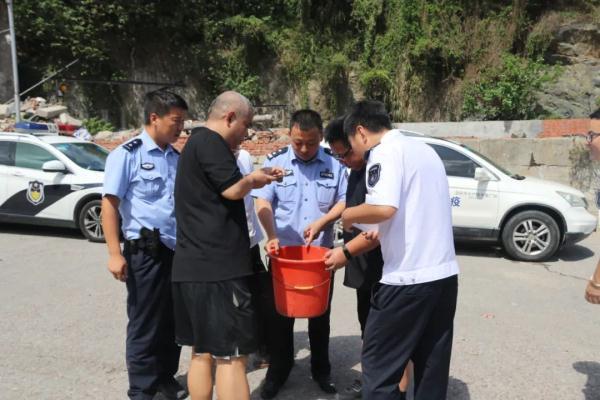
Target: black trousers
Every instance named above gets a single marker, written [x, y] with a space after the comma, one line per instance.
[260, 285]
[363, 305]
[409, 322]
[280, 338]
[151, 353]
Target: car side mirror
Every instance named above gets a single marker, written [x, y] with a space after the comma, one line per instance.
[54, 166]
[483, 175]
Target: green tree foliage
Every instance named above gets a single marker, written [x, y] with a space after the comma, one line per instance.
[427, 59]
[95, 125]
[508, 91]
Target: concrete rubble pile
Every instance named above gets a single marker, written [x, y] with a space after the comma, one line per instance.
[262, 139]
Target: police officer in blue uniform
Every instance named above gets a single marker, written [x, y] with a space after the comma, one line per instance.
[301, 210]
[138, 186]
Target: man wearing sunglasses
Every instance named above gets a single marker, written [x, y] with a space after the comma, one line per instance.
[592, 290]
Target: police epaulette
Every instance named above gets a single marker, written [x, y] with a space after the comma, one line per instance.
[175, 150]
[133, 144]
[328, 151]
[277, 153]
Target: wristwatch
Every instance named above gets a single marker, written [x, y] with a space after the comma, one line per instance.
[346, 252]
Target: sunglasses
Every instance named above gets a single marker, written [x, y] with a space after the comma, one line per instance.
[345, 154]
[591, 136]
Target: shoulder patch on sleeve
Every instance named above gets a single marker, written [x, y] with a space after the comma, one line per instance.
[277, 153]
[374, 174]
[133, 144]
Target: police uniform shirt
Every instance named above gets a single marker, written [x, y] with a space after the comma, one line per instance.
[212, 232]
[142, 176]
[307, 192]
[417, 242]
[244, 163]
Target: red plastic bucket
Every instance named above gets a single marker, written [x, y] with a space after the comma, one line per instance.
[300, 281]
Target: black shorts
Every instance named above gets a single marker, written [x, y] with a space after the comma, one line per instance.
[215, 317]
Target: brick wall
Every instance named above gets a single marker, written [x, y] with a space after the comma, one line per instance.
[565, 127]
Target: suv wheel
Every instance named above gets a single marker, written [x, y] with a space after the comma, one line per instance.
[89, 221]
[531, 236]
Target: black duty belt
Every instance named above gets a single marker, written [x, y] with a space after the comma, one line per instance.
[149, 242]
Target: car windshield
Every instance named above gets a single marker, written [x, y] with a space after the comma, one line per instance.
[504, 170]
[86, 155]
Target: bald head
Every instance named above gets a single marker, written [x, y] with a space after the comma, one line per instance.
[227, 102]
[230, 115]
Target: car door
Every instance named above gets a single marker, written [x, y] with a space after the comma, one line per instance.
[31, 190]
[7, 162]
[474, 202]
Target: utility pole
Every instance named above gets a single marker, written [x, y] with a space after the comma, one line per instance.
[13, 52]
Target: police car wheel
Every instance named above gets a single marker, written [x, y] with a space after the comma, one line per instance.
[89, 221]
[531, 236]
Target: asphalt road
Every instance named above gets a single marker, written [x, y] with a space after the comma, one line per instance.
[523, 330]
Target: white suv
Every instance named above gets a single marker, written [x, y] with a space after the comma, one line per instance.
[51, 180]
[530, 217]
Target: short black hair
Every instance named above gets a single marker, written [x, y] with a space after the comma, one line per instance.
[160, 102]
[369, 113]
[306, 120]
[334, 132]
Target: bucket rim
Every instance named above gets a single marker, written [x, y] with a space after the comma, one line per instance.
[278, 258]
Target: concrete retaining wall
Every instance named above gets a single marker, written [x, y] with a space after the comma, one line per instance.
[504, 129]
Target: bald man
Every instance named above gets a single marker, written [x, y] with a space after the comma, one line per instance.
[212, 265]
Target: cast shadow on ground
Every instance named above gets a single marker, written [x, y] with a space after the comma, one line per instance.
[457, 390]
[591, 369]
[34, 230]
[575, 252]
[344, 353]
[482, 249]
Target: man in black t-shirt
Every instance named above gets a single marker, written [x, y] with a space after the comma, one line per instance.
[362, 271]
[212, 300]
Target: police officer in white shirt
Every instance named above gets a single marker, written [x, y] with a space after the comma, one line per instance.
[413, 306]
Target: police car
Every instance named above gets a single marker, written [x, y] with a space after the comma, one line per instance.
[530, 217]
[51, 180]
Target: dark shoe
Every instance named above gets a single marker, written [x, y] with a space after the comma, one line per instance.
[326, 385]
[402, 395]
[172, 390]
[354, 391]
[269, 389]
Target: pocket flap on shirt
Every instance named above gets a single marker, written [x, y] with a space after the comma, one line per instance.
[150, 175]
[329, 184]
[286, 182]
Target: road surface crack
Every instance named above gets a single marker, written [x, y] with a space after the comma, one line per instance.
[547, 268]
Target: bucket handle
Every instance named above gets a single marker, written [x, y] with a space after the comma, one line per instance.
[309, 287]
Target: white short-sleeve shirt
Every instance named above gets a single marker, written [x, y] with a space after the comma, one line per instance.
[244, 162]
[417, 242]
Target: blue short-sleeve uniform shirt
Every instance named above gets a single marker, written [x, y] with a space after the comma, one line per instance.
[142, 176]
[307, 192]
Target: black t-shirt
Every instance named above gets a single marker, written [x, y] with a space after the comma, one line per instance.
[364, 270]
[212, 232]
